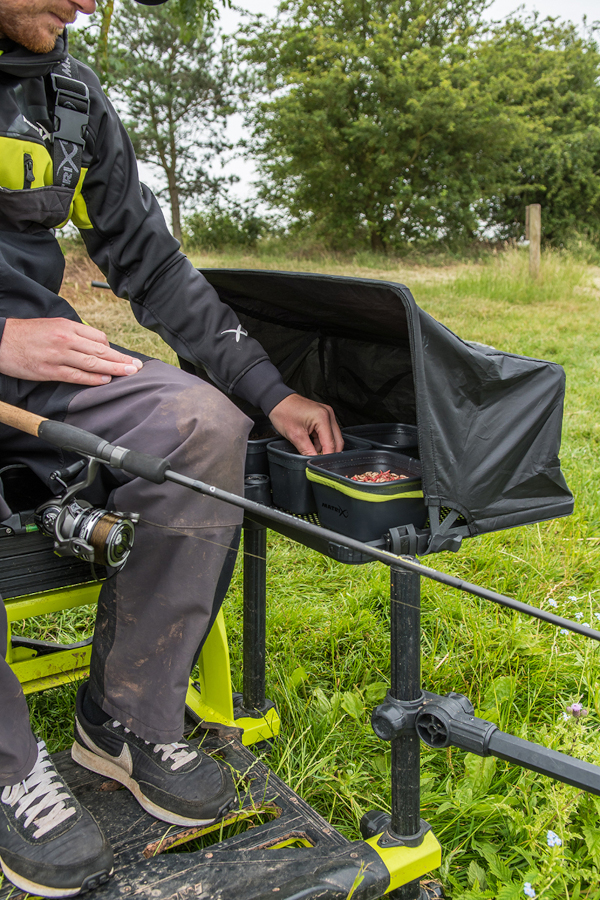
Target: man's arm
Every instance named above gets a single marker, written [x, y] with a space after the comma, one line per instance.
[58, 349]
[125, 234]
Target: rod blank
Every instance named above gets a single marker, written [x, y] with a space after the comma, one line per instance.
[384, 556]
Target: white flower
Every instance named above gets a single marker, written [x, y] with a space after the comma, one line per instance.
[553, 603]
[528, 890]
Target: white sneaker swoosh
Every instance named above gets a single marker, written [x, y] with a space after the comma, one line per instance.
[123, 760]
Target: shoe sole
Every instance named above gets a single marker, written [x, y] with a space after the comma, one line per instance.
[42, 890]
[101, 766]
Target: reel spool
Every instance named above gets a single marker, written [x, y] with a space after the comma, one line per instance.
[78, 529]
[96, 535]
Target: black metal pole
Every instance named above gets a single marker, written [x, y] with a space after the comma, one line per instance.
[405, 598]
[255, 614]
[583, 775]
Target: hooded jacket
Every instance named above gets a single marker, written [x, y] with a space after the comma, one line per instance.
[124, 232]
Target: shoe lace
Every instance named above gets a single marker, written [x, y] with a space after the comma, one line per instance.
[40, 791]
[178, 753]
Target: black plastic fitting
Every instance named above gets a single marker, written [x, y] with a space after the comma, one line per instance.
[373, 822]
[377, 822]
[449, 720]
[258, 488]
[438, 721]
[406, 540]
[241, 712]
[395, 717]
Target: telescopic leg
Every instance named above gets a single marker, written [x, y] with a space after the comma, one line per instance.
[255, 614]
[405, 598]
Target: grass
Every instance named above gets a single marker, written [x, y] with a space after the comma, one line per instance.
[328, 625]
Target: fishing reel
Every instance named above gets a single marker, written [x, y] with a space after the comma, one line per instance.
[99, 536]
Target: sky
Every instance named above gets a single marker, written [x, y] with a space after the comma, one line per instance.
[229, 21]
[499, 8]
[576, 9]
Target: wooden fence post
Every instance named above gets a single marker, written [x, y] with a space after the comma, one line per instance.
[533, 233]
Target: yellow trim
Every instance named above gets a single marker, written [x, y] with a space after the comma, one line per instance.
[291, 842]
[214, 702]
[12, 174]
[408, 863]
[12, 163]
[216, 688]
[256, 730]
[360, 495]
[52, 669]
[51, 601]
[240, 815]
[78, 213]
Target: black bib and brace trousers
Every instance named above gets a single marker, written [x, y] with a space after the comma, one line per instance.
[64, 155]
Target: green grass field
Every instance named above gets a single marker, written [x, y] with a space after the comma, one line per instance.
[328, 634]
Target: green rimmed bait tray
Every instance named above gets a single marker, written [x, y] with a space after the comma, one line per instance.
[362, 510]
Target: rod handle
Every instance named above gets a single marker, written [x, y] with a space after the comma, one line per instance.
[69, 437]
[20, 418]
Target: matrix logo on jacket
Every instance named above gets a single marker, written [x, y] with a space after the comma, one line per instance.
[68, 166]
[239, 332]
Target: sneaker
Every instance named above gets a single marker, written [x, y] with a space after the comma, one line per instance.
[50, 846]
[176, 783]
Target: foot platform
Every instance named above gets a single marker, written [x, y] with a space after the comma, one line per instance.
[274, 846]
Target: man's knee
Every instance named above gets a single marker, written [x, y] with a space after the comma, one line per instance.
[165, 412]
[213, 432]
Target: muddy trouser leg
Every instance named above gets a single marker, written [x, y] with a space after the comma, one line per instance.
[155, 612]
[18, 747]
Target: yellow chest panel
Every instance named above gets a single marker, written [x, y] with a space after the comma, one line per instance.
[14, 163]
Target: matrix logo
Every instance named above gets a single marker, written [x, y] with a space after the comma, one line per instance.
[68, 164]
[337, 509]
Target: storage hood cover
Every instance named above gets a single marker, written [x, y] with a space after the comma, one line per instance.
[489, 422]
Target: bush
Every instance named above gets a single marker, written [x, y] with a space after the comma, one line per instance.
[216, 228]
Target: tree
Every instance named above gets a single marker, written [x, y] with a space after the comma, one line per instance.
[173, 90]
[91, 42]
[402, 120]
[558, 89]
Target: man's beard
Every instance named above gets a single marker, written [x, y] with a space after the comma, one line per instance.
[23, 25]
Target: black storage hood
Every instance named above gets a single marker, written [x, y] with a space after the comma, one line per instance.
[489, 422]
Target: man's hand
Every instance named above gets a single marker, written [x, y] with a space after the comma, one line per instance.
[311, 427]
[61, 350]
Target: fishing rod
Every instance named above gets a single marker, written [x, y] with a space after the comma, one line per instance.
[158, 470]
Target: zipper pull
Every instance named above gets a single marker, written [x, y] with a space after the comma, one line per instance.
[28, 166]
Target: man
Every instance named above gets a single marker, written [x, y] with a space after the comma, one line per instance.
[64, 154]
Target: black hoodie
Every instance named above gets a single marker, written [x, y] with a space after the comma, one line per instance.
[123, 229]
